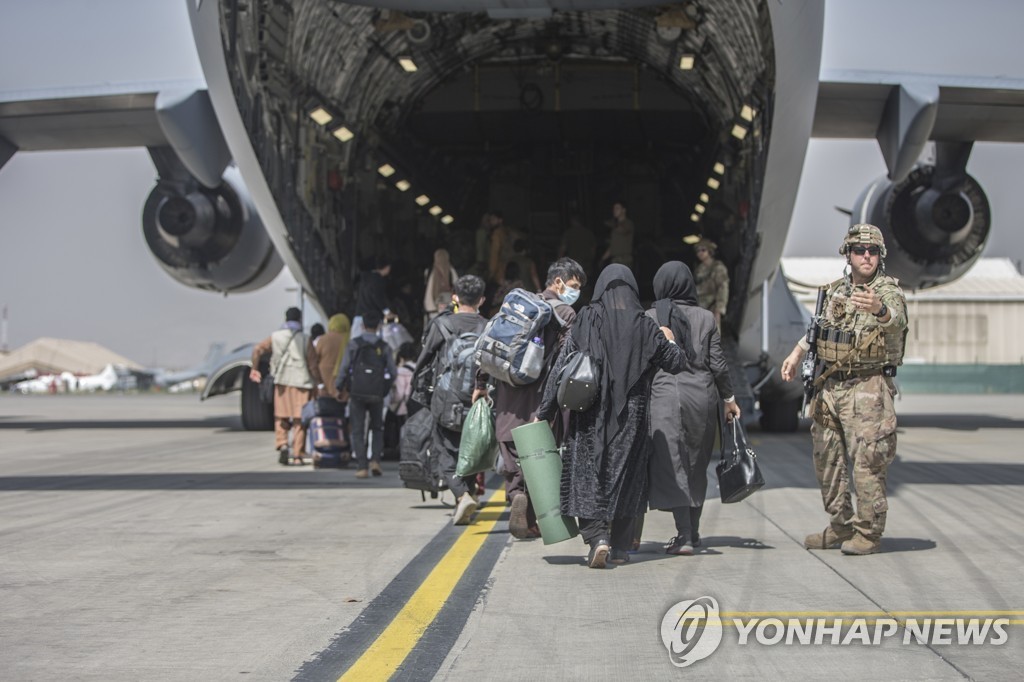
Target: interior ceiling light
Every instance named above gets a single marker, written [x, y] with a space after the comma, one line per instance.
[739, 132]
[704, 197]
[692, 238]
[343, 134]
[719, 167]
[422, 200]
[447, 220]
[436, 210]
[713, 183]
[686, 61]
[694, 217]
[402, 185]
[321, 116]
[747, 113]
[408, 64]
[387, 170]
[699, 208]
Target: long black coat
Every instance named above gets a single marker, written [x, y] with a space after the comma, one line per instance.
[608, 480]
[685, 416]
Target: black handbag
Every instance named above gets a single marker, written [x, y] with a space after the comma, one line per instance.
[267, 388]
[578, 382]
[739, 476]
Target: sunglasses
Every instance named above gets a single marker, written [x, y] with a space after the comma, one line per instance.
[861, 250]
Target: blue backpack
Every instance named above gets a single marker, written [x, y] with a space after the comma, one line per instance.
[511, 346]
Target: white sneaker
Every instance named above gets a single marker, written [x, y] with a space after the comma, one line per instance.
[465, 509]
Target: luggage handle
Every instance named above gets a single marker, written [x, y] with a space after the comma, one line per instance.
[738, 436]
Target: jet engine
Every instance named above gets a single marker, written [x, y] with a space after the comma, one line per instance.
[935, 224]
[210, 239]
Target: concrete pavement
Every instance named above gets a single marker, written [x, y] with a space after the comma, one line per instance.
[148, 537]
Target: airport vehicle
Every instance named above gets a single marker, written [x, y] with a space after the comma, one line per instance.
[324, 126]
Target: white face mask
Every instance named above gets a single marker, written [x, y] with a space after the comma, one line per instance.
[569, 296]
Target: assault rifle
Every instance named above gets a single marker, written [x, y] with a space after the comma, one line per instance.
[809, 368]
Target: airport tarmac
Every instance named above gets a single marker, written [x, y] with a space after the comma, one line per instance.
[149, 537]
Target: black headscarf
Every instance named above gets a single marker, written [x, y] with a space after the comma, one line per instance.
[674, 284]
[615, 330]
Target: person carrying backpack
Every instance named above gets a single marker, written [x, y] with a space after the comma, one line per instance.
[447, 363]
[516, 404]
[367, 372]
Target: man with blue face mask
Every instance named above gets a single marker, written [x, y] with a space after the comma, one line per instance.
[517, 405]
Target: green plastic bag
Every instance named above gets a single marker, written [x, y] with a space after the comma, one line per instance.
[479, 444]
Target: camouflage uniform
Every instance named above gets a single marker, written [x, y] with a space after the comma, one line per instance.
[853, 410]
[712, 281]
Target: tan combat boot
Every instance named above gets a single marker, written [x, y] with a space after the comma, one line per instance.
[860, 545]
[826, 539]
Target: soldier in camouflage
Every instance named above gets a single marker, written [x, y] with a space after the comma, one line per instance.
[860, 343]
[712, 279]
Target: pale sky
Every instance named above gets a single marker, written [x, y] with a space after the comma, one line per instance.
[74, 264]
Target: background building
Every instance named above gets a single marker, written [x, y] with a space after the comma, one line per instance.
[963, 337]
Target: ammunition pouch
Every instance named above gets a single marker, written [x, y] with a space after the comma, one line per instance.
[834, 344]
[838, 345]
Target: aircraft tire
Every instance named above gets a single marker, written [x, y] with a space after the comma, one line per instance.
[780, 416]
[256, 414]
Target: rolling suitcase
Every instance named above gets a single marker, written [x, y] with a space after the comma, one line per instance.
[327, 444]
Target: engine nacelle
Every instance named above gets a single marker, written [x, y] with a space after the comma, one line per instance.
[933, 234]
[210, 239]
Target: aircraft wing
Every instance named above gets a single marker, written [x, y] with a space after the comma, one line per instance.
[904, 111]
[176, 113]
[852, 104]
[86, 117]
[175, 121]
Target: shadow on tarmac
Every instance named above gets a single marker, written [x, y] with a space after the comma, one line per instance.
[782, 470]
[906, 544]
[257, 480]
[225, 423]
[956, 422]
[955, 473]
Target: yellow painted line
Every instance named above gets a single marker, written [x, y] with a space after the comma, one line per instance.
[382, 658]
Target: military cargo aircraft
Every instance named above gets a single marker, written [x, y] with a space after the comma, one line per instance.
[330, 131]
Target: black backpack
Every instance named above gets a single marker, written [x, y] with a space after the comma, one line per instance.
[369, 379]
[454, 378]
[419, 466]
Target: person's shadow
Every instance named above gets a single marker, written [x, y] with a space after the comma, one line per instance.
[906, 544]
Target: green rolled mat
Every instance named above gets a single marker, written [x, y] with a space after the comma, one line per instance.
[542, 469]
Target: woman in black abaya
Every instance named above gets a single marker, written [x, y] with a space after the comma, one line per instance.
[606, 449]
[685, 407]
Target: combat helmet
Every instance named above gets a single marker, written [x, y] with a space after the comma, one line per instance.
[707, 244]
[863, 233]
